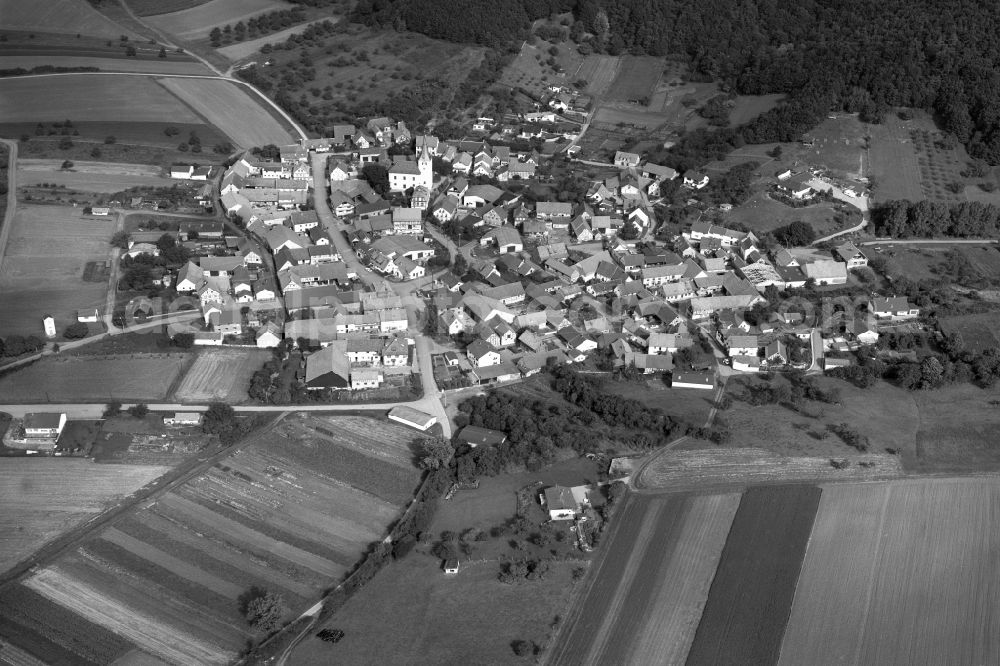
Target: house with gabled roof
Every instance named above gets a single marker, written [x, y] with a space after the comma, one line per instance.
[849, 254]
[482, 354]
[894, 308]
[625, 160]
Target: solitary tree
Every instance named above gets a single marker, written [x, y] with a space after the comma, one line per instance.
[121, 239]
[264, 610]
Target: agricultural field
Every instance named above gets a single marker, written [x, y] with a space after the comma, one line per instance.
[90, 97]
[748, 605]
[374, 456]
[228, 106]
[279, 514]
[958, 426]
[899, 573]
[90, 176]
[469, 618]
[637, 77]
[220, 375]
[888, 415]
[47, 251]
[197, 21]
[647, 592]
[44, 497]
[691, 470]
[897, 167]
[60, 16]
[154, 7]
[137, 377]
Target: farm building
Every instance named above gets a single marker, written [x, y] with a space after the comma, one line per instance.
[695, 380]
[49, 324]
[181, 171]
[100, 211]
[328, 368]
[182, 418]
[48, 425]
[475, 436]
[87, 316]
[451, 566]
[560, 503]
[412, 417]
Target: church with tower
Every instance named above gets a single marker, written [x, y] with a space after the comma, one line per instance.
[406, 173]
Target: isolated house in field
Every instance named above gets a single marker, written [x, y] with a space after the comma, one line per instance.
[46, 425]
[451, 567]
[560, 503]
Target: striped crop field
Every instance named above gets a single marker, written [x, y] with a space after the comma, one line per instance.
[169, 577]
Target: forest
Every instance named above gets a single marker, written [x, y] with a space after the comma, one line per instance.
[853, 55]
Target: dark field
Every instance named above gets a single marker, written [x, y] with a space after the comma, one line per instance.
[751, 596]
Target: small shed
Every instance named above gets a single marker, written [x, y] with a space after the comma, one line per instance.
[49, 324]
[451, 566]
[182, 418]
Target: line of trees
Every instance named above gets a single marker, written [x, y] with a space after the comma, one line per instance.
[904, 219]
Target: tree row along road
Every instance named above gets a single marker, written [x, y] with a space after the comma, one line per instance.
[8, 216]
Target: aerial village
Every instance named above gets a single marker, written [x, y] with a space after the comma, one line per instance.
[342, 270]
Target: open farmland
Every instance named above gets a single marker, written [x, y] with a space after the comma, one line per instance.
[136, 377]
[90, 97]
[49, 632]
[469, 618]
[154, 7]
[894, 162]
[276, 514]
[62, 16]
[751, 596]
[90, 176]
[226, 105]
[900, 573]
[220, 374]
[43, 497]
[196, 22]
[374, 456]
[648, 589]
[47, 251]
[728, 468]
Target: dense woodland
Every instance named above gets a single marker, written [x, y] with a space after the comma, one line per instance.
[850, 54]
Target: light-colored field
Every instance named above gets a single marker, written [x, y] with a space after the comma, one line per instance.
[198, 21]
[247, 48]
[43, 497]
[232, 110]
[90, 176]
[157, 66]
[693, 470]
[46, 253]
[683, 581]
[220, 374]
[136, 377]
[84, 97]
[168, 642]
[900, 573]
[63, 16]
